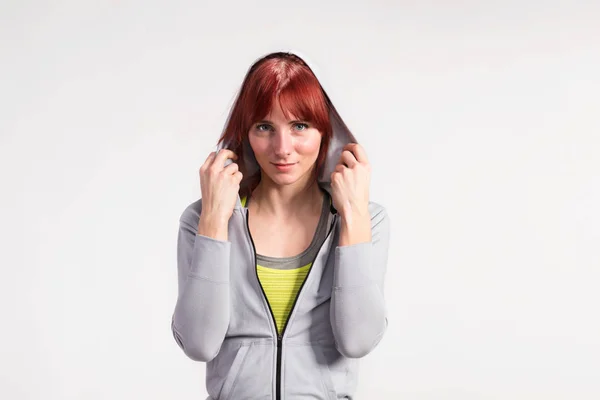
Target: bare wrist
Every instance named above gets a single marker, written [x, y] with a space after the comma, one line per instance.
[212, 226]
[355, 228]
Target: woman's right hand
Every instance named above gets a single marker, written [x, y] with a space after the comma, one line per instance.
[220, 186]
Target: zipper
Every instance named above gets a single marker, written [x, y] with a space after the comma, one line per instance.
[280, 336]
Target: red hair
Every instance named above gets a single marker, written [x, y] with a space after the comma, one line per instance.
[287, 78]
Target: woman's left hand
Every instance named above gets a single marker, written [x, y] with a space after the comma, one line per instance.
[350, 183]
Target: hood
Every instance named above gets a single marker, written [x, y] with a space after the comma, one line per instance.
[341, 136]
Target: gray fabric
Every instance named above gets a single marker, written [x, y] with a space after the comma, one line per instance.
[222, 317]
[310, 252]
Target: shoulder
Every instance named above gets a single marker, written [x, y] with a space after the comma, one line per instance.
[191, 214]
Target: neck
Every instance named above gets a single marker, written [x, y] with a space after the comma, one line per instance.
[284, 201]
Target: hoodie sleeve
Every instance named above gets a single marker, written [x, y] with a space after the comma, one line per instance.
[201, 315]
[358, 311]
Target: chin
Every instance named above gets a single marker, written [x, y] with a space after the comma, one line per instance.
[284, 179]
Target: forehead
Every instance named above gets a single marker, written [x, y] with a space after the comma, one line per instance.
[278, 113]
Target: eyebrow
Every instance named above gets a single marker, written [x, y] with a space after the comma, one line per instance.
[291, 122]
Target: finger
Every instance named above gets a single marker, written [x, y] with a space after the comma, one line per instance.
[223, 155]
[336, 178]
[340, 168]
[333, 176]
[238, 175]
[210, 156]
[348, 159]
[231, 169]
[208, 160]
[359, 153]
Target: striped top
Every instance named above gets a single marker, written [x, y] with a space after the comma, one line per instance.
[281, 287]
[282, 277]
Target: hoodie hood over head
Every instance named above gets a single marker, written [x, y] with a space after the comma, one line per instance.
[341, 136]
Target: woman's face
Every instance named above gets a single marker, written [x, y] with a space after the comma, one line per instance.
[286, 149]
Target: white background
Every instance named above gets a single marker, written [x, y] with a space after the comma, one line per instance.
[481, 123]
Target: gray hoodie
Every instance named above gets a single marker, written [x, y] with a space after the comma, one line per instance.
[222, 316]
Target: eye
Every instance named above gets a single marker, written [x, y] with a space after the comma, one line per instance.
[301, 126]
[263, 127]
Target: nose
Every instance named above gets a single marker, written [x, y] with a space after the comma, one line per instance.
[282, 143]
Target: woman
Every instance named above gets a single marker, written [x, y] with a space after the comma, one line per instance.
[281, 263]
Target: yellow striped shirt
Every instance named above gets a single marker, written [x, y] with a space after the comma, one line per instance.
[281, 287]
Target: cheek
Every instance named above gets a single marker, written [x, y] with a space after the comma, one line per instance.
[309, 146]
[258, 147]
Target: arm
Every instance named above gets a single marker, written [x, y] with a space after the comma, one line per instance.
[201, 315]
[358, 314]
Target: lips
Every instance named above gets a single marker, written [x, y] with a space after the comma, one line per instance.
[284, 167]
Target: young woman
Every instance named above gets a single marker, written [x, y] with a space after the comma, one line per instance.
[281, 263]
